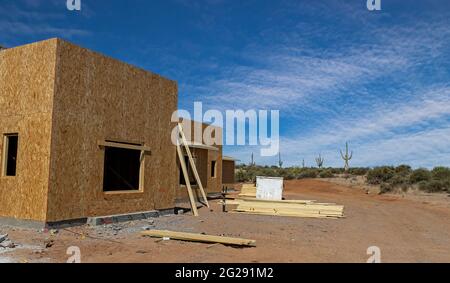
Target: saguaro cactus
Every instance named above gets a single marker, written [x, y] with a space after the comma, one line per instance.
[252, 162]
[280, 163]
[346, 157]
[319, 161]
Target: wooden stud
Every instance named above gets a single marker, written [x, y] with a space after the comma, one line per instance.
[4, 155]
[191, 160]
[186, 177]
[193, 237]
[124, 145]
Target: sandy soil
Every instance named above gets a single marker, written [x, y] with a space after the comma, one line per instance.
[406, 229]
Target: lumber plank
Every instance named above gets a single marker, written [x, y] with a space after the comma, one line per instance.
[193, 237]
[293, 207]
[261, 203]
[287, 214]
[123, 145]
[245, 186]
[294, 213]
[247, 195]
[193, 166]
[277, 201]
[186, 177]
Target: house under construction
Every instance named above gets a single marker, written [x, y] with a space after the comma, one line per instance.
[84, 135]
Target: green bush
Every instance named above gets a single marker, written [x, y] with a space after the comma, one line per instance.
[386, 188]
[308, 173]
[403, 170]
[433, 186]
[379, 175]
[242, 176]
[441, 173]
[419, 175]
[399, 180]
[326, 174]
[358, 171]
[337, 170]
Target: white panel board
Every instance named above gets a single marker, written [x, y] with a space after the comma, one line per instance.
[269, 188]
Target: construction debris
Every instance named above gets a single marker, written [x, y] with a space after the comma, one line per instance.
[192, 237]
[3, 237]
[48, 243]
[294, 208]
[6, 243]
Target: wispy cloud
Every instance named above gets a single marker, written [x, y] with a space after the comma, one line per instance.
[384, 88]
[36, 20]
[41, 29]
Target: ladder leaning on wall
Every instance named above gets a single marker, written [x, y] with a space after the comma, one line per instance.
[182, 141]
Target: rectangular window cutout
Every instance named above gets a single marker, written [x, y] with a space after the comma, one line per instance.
[213, 169]
[122, 169]
[11, 143]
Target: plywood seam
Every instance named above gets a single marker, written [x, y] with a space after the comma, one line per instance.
[52, 119]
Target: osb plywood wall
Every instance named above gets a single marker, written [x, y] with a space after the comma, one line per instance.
[26, 91]
[228, 172]
[98, 98]
[204, 167]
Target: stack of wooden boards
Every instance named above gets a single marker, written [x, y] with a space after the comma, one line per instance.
[294, 208]
[248, 190]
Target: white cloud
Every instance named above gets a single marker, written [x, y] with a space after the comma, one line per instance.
[405, 121]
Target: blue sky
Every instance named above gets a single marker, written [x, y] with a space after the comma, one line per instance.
[336, 71]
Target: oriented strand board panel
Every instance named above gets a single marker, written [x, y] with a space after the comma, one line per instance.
[215, 183]
[26, 92]
[98, 98]
[228, 176]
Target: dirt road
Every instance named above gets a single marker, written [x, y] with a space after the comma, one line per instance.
[406, 230]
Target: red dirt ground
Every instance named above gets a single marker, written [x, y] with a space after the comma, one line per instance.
[406, 230]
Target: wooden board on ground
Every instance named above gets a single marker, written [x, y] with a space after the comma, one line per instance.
[193, 237]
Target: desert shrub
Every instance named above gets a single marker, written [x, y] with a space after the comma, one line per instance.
[326, 174]
[386, 188]
[241, 176]
[337, 170]
[433, 186]
[379, 175]
[399, 180]
[308, 173]
[403, 170]
[441, 173]
[419, 175]
[358, 171]
[287, 173]
[405, 187]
